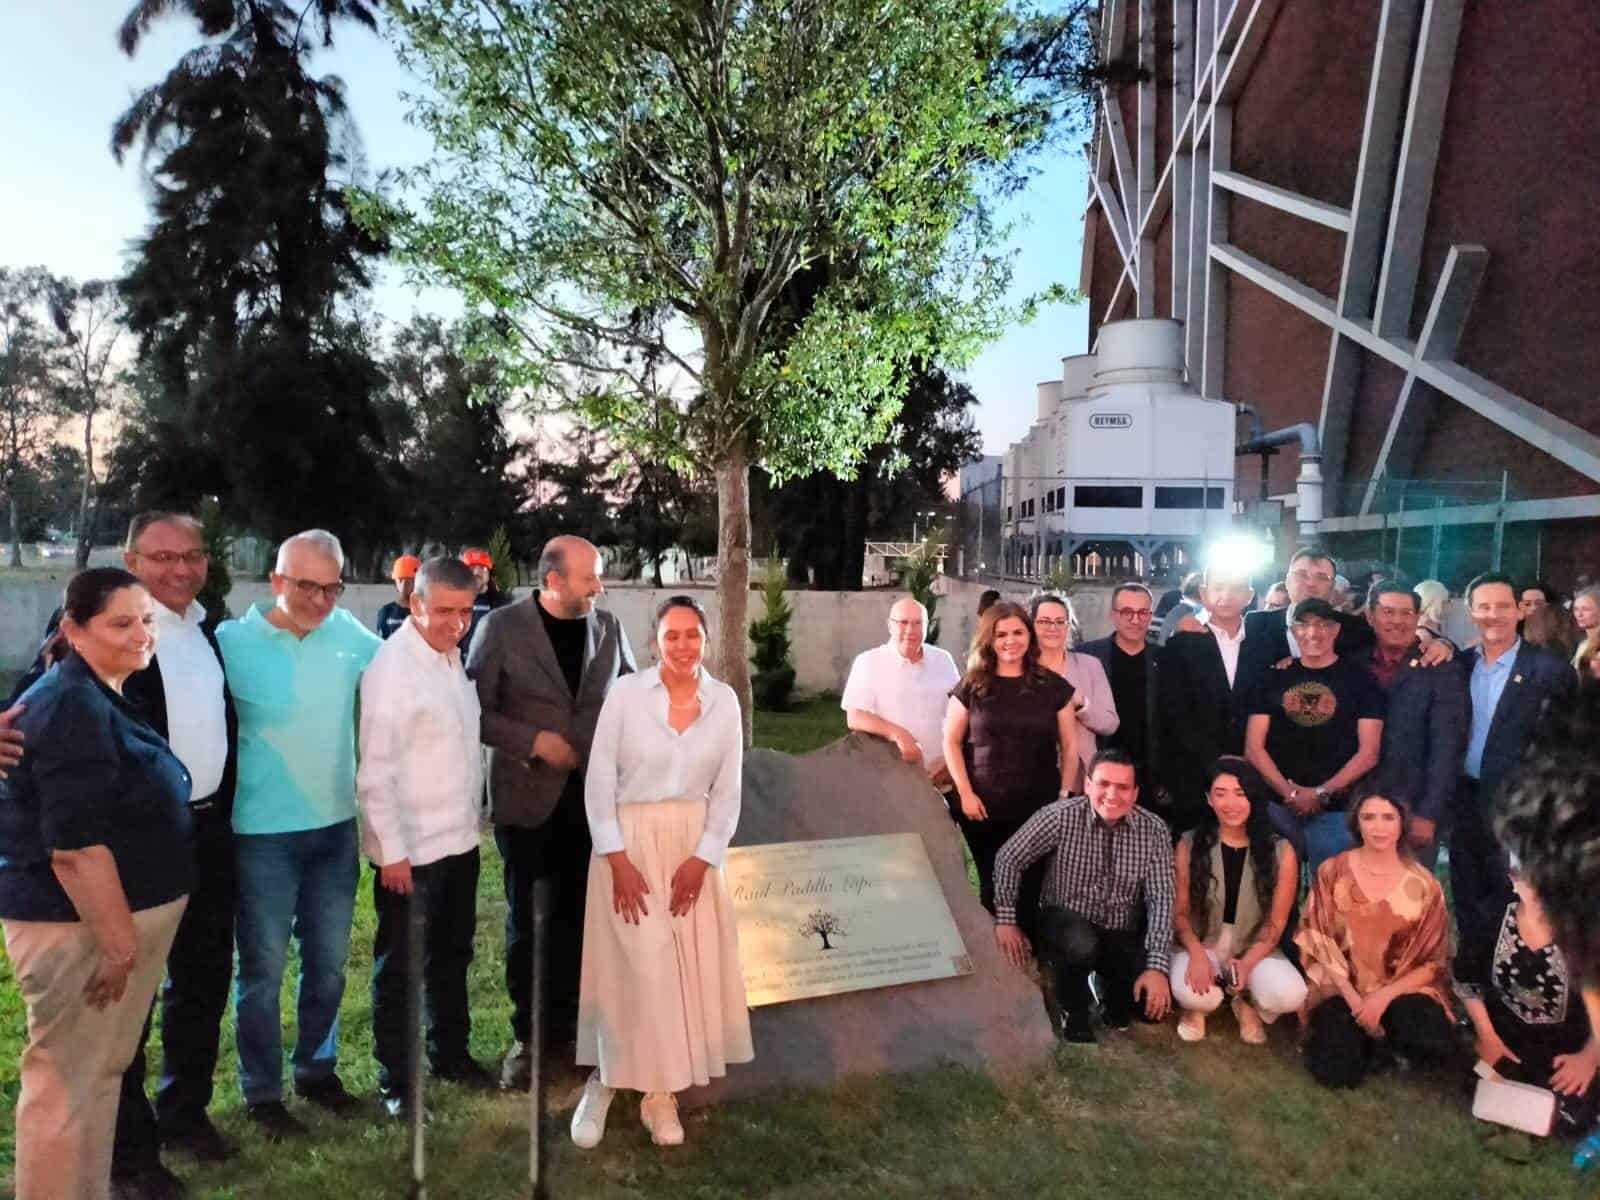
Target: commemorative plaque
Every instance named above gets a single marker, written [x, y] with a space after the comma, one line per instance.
[840, 915]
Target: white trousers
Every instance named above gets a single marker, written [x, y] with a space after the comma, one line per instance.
[1274, 986]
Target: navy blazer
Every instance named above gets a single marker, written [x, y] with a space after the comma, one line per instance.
[1201, 714]
[1538, 677]
[1266, 641]
[148, 695]
[1425, 735]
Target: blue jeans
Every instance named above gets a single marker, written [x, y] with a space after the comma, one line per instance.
[300, 884]
[1327, 834]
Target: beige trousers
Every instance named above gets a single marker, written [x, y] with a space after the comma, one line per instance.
[72, 1066]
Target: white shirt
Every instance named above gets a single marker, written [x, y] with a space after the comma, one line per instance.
[421, 771]
[914, 695]
[1229, 648]
[637, 758]
[191, 681]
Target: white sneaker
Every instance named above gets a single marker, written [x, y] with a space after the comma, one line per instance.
[589, 1118]
[1252, 1031]
[1191, 1025]
[659, 1114]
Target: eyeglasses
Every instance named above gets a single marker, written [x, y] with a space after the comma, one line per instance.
[1133, 614]
[1305, 576]
[171, 558]
[1390, 614]
[1050, 622]
[309, 588]
[1301, 628]
[905, 624]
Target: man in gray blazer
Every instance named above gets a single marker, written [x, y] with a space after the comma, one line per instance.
[542, 667]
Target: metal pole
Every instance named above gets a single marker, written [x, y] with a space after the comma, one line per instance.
[1438, 537]
[1500, 522]
[416, 1086]
[538, 1188]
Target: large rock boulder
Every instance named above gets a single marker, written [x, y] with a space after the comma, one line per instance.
[992, 1019]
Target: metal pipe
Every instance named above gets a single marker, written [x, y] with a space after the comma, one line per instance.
[1305, 433]
[1308, 485]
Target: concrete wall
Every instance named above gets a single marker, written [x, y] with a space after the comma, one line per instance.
[827, 631]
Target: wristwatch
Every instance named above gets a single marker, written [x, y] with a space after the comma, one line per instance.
[1322, 795]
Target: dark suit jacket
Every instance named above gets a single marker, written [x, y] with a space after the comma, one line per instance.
[1201, 716]
[523, 691]
[1266, 641]
[1538, 677]
[147, 692]
[1424, 735]
[1100, 648]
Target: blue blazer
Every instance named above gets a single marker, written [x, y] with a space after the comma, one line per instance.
[1538, 677]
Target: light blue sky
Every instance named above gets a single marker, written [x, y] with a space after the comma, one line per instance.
[66, 204]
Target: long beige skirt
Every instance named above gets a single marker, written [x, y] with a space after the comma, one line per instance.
[661, 1004]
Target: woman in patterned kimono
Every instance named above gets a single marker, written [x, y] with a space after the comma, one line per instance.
[1373, 943]
[1527, 1013]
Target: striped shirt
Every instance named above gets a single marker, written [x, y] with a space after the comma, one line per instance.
[1100, 872]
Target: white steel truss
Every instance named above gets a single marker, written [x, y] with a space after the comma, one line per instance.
[1383, 231]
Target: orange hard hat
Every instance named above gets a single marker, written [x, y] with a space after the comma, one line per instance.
[478, 558]
[405, 567]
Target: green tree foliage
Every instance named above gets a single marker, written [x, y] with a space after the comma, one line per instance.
[88, 319]
[264, 397]
[769, 634]
[504, 558]
[821, 523]
[634, 183]
[218, 540]
[28, 401]
[918, 576]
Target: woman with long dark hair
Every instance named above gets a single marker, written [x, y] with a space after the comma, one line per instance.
[1373, 940]
[1009, 739]
[1236, 886]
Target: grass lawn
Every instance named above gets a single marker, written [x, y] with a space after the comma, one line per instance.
[1137, 1116]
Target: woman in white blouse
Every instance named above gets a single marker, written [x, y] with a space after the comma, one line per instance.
[661, 1004]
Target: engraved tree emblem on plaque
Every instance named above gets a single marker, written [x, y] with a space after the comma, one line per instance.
[823, 924]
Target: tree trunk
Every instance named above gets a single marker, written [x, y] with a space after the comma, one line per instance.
[86, 494]
[732, 663]
[16, 532]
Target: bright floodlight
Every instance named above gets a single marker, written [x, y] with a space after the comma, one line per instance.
[1237, 555]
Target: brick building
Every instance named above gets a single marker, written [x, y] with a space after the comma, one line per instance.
[1376, 217]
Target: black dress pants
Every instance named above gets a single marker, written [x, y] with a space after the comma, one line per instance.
[1340, 1053]
[1073, 947]
[559, 850]
[1480, 882]
[984, 839]
[447, 892]
[193, 999]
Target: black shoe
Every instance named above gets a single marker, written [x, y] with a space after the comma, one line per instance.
[277, 1124]
[468, 1073]
[200, 1138]
[516, 1072]
[150, 1182]
[329, 1093]
[1078, 1031]
[1119, 1020]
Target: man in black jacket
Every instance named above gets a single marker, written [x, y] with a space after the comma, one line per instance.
[1425, 730]
[1510, 683]
[185, 697]
[1130, 661]
[1200, 699]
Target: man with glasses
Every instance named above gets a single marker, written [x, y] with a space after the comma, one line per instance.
[1130, 663]
[1270, 638]
[1425, 730]
[899, 691]
[1315, 729]
[295, 664]
[185, 698]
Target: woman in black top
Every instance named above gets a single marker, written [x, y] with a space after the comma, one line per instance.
[95, 870]
[1527, 1013]
[1009, 740]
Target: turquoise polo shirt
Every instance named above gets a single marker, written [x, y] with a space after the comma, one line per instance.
[296, 699]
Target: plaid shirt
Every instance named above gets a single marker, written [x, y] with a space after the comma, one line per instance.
[1101, 872]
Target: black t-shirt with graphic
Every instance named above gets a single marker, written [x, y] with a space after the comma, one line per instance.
[1314, 713]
